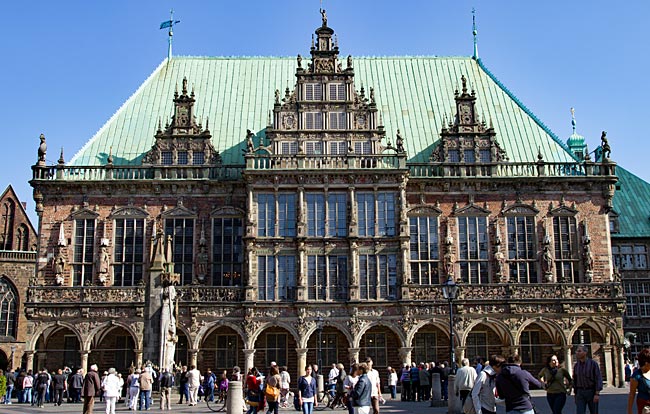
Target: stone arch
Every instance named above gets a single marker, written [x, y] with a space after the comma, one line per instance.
[47, 330]
[110, 349]
[340, 326]
[335, 345]
[4, 361]
[496, 325]
[207, 329]
[387, 324]
[552, 328]
[254, 336]
[221, 347]
[536, 339]
[432, 344]
[442, 325]
[488, 336]
[602, 326]
[53, 346]
[107, 327]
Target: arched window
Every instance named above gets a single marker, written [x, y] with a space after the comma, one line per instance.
[7, 224]
[8, 301]
[22, 238]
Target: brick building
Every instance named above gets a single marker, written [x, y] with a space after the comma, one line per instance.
[336, 207]
[17, 258]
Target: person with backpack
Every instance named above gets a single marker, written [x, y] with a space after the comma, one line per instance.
[640, 384]
[483, 398]
[557, 382]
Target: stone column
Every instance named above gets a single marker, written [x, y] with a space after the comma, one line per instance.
[84, 360]
[453, 401]
[405, 355]
[609, 365]
[193, 356]
[138, 358]
[302, 360]
[460, 354]
[568, 361]
[30, 360]
[354, 355]
[621, 366]
[235, 400]
[249, 360]
[436, 386]
[354, 271]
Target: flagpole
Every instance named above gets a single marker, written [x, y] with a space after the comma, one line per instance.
[171, 35]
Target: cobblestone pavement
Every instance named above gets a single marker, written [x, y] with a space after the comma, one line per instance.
[613, 401]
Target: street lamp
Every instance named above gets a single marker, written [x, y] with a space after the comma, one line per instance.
[450, 292]
[319, 330]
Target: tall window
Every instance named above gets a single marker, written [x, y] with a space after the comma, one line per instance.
[8, 301]
[71, 356]
[289, 148]
[522, 254]
[630, 256]
[284, 288]
[476, 345]
[182, 232]
[386, 214]
[338, 147]
[287, 215]
[337, 91]
[22, 238]
[531, 352]
[473, 243]
[84, 252]
[424, 347]
[374, 345]
[337, 120]
[366, 212]
[566, 257]
[7, 225]
[313, 91]
[383, 214]
[313, 120]
[337, 214]
[330, 350]
[276, 349]
[327, 277]
[315, 215]
[378, 276]
[225, 352]
[123, 351]
[424, 250]
[227, 251]
[129, 251]
[265, 215]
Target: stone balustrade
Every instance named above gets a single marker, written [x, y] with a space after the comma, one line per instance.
[17, 256]
[64, 295]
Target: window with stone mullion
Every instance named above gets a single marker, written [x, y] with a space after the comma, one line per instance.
[425, 347]
[265, 215]
[129, 251]
[378, 276]
[227, 251]
[283, 287]
[84, 252]
[266, 278]
[315, 215]
[386, 214]
[182, 232]
[7, 310]
[337, 214]
[287, 215]
[327, 277]
[424, 245]
[366, 213]
[522, 255]
[276, 349]
[473, 249]
[566, 260]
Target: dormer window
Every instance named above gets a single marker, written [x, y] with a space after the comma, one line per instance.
[454, 156]
[314, 148]
[313, 92]
[485, 155]
[469, 156]
[337, 92]
[313, 120]
[198, 158]
[289, 148]
[166, 158]
[338, 147]
[362, 148]
[182, 158]
[337, 120]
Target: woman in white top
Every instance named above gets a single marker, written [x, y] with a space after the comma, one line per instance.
[348, 385]
[285, 382]
[392, 383]
[111, 387]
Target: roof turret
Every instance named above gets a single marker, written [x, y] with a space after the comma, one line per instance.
[576, 142]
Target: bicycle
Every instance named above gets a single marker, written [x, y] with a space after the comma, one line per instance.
[323, 398]
[219, 403]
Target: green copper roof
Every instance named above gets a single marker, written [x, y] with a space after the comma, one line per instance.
[236, 93]
[632, 203]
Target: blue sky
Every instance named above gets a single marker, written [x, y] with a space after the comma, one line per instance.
[67, 66]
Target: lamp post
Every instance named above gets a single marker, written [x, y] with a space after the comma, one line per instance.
[319, 330]
[450, 292]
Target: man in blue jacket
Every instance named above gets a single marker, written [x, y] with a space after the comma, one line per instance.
[514, 384]
[361, 395]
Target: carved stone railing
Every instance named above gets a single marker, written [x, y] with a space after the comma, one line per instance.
[209, 294]
[17, 256]
[138, 173]
[516, 292]
[324, 162]
[63, 295]
[512, 169]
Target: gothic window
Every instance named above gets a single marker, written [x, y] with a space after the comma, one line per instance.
[327, 277]
[313, 92]
[227, 251]
[469, 156]
[7, 225]
[315, 215]
[566, 243]
[129, 251]
[84, 252]
[485, 156]
[362, 147]
[289, 148]
[287, 215]
[182, 158]
[424, 250]
[276, 349]
[198, 158]
[8, 301]
[266, 215]
[338, 148]
[522, 253]
[337, 92]
[378, 276]
[284, 288]
[313, 120]
[337, 214]
[167, 158]
[531, 351]
[22, 238]
[630, 256]
[374, 345]
[225, 352]
[473, 249]
[337, 120]
[182, 232]
[424, 347]
[476, 344]
[314, 147]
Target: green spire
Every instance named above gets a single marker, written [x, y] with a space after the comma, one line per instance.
[474, 33]
[576, 142]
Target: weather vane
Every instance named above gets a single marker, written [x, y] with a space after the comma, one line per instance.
[169, 24]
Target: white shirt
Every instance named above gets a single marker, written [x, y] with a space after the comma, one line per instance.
[111, 386]
[332, 375]
[193, 378]
[392, 379]
[373, 376]
[285, 380]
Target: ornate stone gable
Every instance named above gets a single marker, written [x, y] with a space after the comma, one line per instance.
[467, 139]
[184, 141]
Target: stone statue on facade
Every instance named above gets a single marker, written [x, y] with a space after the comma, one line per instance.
[168, 325]
[588, 259]
[42, 150]
[500, 265]
[250, 147]
[449, 262]
[59, 267]
[349, 61]
[323, 15]
[399, 142]
[299, 61]
[104, 265]
[547, 263]
[202, 270]
[604, 145]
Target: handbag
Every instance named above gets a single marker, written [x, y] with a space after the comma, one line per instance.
[468, 407]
